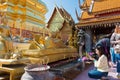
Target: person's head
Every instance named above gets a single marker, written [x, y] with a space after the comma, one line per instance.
[99, 50]
[117, 28]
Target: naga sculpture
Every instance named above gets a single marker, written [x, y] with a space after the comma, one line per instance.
[81, 42]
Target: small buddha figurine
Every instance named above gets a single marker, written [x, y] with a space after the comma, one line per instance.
[16, 54]
[38, 42]
[3, 19]
[7, 55]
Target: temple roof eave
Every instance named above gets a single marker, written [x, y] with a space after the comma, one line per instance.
[105, 11]
[94, 23]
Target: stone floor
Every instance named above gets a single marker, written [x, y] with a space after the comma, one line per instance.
[75, 74]
[84, 75]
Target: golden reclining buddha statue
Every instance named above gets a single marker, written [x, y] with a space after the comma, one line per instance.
[45, 50]
[42, 50]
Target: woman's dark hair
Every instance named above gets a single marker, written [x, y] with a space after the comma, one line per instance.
[100, 48]
[102, 51]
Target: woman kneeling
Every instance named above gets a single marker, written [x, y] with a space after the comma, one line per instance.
[101, 64]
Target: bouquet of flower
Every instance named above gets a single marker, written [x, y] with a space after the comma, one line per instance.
[89, 56]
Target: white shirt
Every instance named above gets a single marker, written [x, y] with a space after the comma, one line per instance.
[102, 64]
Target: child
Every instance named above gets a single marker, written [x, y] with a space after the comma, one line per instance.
[101, 65]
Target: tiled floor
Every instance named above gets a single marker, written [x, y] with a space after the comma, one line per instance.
[84, 75]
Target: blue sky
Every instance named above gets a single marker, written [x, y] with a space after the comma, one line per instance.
[68, 5]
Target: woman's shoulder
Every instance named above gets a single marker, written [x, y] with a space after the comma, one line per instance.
[114, 33]
[117, 35]
[103, 57]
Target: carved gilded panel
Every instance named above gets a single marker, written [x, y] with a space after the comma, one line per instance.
[56, 23]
